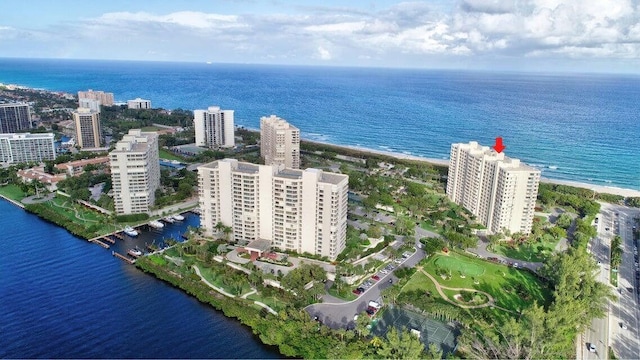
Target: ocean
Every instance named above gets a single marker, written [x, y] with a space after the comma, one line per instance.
[578, 127]
[62, 297]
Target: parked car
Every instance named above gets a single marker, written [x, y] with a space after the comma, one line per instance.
[623, 326]
[375, 277]
[591, 347]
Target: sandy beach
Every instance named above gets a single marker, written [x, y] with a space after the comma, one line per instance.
[597, 188]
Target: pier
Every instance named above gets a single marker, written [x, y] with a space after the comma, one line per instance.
[100, 243]
[118, 235]
[108, 239]
[122, 257]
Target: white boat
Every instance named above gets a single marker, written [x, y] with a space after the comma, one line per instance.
[156, 224]
[134, 252]
[169, 219]
[178, 217]
[130, 231]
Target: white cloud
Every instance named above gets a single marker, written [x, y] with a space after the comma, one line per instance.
[478, 29]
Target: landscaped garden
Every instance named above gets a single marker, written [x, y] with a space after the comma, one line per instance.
[13, 192]
[511, 288]
[535, 252]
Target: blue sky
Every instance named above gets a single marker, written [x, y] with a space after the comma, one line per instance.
[530, 35]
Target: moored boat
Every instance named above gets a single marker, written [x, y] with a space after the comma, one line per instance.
[134, 252]
[178, 217]
[156, 224]
[169, 219]
[130, 231]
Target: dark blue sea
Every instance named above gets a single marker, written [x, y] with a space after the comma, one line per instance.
[579, 127]
[62, 297]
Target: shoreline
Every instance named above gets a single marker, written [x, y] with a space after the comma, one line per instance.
[12, 201]
[604, 189]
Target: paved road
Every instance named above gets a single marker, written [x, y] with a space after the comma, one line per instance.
[339, 314]
[598, 332]
[626, 342]
[481, 250]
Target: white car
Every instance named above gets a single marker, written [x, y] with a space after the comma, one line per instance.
[623, 326]
[592, 348]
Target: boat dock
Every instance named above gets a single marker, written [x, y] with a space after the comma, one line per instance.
[122, 257]
[108, 239]
[100, 243]
[118, 235]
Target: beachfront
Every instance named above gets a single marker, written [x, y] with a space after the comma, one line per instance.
[442, 162]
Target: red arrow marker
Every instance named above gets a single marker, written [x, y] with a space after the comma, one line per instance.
[498, 146]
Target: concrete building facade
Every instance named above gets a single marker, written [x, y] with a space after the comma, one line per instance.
[297, 210]
[135, 172]
[138, 104]
[105, 98]
[88, 128]
[279, 142]
[214, 127]
[91, 104]
[14, 117]
[17, 148]
[500, 191]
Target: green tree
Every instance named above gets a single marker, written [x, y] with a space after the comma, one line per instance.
[400, 345]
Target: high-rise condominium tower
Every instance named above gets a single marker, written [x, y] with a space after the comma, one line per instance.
[105, 98]
[214, 127]
[88, 128]
[298, 210]
[14, 117]
[16, 148]
[279, 142]
[135, 172]
[500, 191]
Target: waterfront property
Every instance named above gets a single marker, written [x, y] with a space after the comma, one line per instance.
[279, 142]
[138, 104]
[135, 172]
[214, 127]
[500, 191]
[105, 98]
[297, 210]
[17, 148]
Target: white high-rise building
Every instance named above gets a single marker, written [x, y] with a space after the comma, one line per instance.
[298, 210]
[214, 127]
[138, 104]
[91, 104]
[279, 142]
[135, 172]
[88, 128]
[500, 191]
[16, 148]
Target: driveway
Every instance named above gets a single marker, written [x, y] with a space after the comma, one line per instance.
[339, 314]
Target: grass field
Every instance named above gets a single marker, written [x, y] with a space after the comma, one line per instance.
[78, 213]
[511, 288]
[164, 154]
[527, 252]
[13, 192]
[459, 266]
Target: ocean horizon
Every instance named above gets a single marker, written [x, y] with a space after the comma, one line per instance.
[573, 127]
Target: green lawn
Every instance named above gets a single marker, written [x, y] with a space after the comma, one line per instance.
[64, 206]
[527, 252]
[216, 280]
[158, 260]
[272, 301]
[13, 192]
[150, 128]
[512, 288]
[430, 227]
[459, 266]
[164, 154]
[345, 294]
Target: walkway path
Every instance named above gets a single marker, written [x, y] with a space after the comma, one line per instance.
[35, 200]
[482, 251]
[221, 291]
[75, 211]
[439, 287]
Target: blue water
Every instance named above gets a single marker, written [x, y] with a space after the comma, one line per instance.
[585, 127]
[62, 297]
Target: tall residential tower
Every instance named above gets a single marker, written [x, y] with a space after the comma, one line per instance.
[14, 117]
[214, 127]
[500, 191]
[279, 142]
[298, 210]
[88, 128]
[135, 172]
[16, 148]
